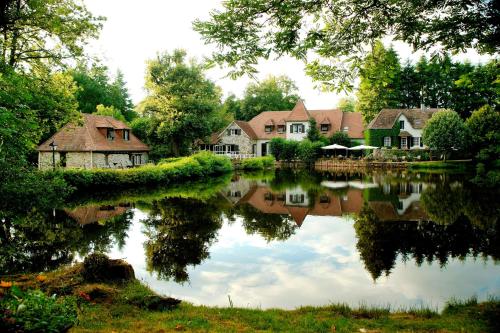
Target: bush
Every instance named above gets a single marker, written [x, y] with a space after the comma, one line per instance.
[276, 147]
[257, 163]
[169, 171]
[33, 311]
[340, 138]
[308, 151]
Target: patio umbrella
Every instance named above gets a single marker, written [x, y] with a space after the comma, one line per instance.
[362, 147]
[334, 146]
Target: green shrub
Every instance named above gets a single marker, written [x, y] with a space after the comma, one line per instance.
[257, 163]
[169, 171]
[33, 311]
[277, 147]
[308, 151]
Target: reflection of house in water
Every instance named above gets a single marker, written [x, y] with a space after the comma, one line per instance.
[236, 190]
[95, 214]
[298, 203]
[402, 202]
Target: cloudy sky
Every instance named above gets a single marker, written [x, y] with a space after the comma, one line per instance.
[136, 31]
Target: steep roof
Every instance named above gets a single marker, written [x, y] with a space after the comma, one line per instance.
[299, 112]
[86, 136]
[245, 126]
[354, 123]
[258, 123]
[386, 118]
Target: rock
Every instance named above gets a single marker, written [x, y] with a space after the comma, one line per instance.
[120, 270]
[98, 267]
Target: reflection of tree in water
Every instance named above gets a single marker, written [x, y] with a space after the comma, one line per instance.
[269, 226]
[466, 223]
[39, 241]
[180, 232]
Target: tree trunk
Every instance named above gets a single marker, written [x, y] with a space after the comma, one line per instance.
[13, 48]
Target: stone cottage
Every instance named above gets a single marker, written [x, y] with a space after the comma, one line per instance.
[93, 142]
[253, 136]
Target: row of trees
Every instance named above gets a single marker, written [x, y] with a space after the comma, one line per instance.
[437, 82]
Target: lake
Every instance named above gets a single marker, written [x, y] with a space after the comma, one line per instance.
[282, 239]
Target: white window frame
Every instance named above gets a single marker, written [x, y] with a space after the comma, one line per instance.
[387, 141]
[416, 141]
[404, 142]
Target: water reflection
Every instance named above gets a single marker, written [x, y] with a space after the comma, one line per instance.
[282, 239]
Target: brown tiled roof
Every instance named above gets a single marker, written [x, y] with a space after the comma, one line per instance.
[299, 112]
[269, 122]
[404, 133]
[75, 137]
[258, 124]
[245, 126]
[325, 121]
[354, 122]
[387, 117]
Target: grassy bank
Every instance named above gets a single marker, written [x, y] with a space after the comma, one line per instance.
[440, 165]
[126, 307]
[172, 171]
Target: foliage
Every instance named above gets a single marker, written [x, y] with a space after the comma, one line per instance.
[340, 138]
[196, 166]
[274, 93]
[245, 32]
[94, 266]
[109, 111]
[33, 311]
[290, 150]
[378, 87]
[96, 88]
[277, 147]
[257, 163]
[484, 128]
[308, 151]
[269, 226]
[375, 137]
[35, 32]
[444, 132]
[347, 104]
[182, 103]
[313, 133]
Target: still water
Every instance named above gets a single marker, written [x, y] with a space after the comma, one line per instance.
[285, 239]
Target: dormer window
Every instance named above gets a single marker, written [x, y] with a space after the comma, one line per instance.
[269, 128]
[401, 124]
[297, 128]
[281, 128]
[110, 134]
[346, 128]
[126, 135]
[325, 127]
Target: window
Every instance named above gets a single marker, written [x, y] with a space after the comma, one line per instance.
[106, 159]
[297, 128]
[346, 128]
[416, 141]
[126, 135]
[324, 128]
[387, 141]
[324, 199]
[404, 142]
[268, 196]
[281, 128]
[269, 128]
[63, 159]
[233, 131]
[254, 148]
[401, 124]
[296, 198]
[110, 134]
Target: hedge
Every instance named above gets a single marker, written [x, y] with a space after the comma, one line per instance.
[194, 167]
[257, 163]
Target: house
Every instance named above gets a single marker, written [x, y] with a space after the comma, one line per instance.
[252, 137]
[94, 142]
[401, 128]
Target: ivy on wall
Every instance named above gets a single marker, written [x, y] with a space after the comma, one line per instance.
[375, 137]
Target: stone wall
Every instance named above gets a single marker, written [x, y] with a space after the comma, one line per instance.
[87, 160]
[243, 141]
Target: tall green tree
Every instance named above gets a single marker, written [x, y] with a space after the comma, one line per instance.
[379, 85]
[275, 93]
[445, 132]
[97, 88]
[347, 104]
[334, 45]
[33, 32]
[183, 104]
[484, 129]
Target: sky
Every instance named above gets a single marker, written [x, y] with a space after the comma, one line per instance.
[136, 31]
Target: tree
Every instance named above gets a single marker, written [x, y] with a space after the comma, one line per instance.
[33, 31]
[379, 85]
[444, 132]
[182, 103]
[97, 88]
[340, 138]
[275, 93]
[109, 111]
[246, 31]
[313, 133]
[484, 129]
[347, 104]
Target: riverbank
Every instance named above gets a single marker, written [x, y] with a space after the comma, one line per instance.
[122, 303]
[347, 164]
[167, 172]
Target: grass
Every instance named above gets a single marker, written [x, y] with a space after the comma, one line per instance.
[433, 165]
[256, 163]
[119, 307]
